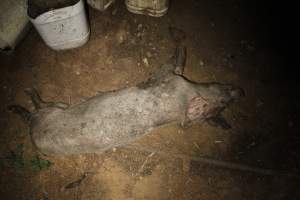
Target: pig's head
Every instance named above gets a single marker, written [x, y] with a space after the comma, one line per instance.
[211, 99]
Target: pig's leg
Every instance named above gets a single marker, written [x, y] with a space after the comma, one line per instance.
[180, 59]
[35, 98]
[23, 112]
[39, 103]
[175, 67]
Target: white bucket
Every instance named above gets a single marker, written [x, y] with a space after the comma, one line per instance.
[63, 28]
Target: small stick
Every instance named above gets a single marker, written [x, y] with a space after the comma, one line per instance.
[146, 160]
[70, 100]
[76, 183]
[208, 161]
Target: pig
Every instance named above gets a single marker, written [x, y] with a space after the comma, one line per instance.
[112, 119]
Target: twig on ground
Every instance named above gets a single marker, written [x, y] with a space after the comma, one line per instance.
[204, 160]
[144, 163]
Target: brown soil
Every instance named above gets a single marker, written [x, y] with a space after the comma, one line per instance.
[222, 46]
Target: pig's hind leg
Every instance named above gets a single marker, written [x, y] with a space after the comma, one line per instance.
[39, 103]
[23, 112]
[35, 98]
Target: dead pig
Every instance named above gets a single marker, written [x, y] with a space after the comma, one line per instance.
[115, 118]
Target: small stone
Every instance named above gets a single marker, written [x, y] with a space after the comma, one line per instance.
[121, 37]
[218, 141]
[109, 61]
[145, 61]
[62, 189]
[225, 60]
[186, 165]
[140, 26]
[148, 54]
[259, 103]
[201, 63]
[114, 149]
[164, 95]
[132, 41]
[77, 73]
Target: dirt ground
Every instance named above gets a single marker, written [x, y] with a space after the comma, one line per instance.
[172, 162]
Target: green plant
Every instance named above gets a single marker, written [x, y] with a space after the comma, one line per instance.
[17, 161]
[39, 164]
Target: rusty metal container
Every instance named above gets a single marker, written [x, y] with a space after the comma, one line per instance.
[154, 8]
[100, 4]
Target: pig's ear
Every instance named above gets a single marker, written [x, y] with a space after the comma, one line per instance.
[180, 59]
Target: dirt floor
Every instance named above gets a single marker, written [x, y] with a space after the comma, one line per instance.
[197, 162]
